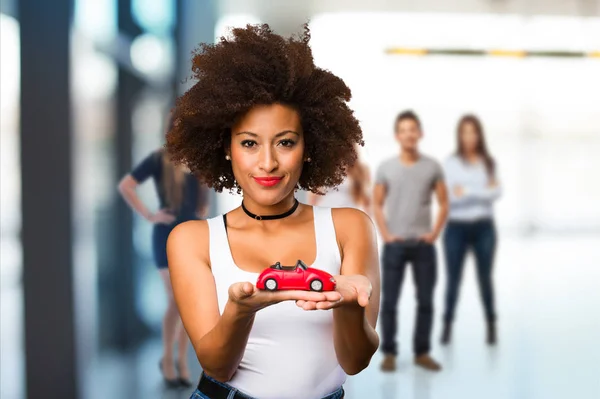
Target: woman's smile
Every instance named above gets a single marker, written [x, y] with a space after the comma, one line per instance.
[268, 181]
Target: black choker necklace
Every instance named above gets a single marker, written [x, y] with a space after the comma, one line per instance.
[271, 217]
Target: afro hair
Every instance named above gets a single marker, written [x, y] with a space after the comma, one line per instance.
[255, 66]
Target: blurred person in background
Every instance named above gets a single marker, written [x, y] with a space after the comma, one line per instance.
[473, 184]
[404, 186]
[354, 192]
[279, 125]
[181, 198]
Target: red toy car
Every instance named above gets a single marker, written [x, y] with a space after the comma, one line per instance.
[299, 277]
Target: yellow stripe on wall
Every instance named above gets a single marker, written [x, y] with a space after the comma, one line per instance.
[491, 53]
[406, 51]
[507, 53]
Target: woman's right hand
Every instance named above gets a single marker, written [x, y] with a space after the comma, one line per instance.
[249, 299]
[162, 217]
[459, 191]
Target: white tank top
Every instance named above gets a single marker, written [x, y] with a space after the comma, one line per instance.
[290, 353]
[340, 197]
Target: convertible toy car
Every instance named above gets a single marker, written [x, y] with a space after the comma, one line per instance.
[298, 277]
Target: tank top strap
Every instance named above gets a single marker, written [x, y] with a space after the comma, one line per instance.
[328, 253]
[219, 245]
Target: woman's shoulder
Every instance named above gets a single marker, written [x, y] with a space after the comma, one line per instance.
[352, 223]
[186, 236]
[188, 246]
[156, 158]
[350, 214]
[157, 154]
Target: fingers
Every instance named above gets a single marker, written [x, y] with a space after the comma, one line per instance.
[247, 289]
[295, 295]
[166, 219]
[327, 305]
[243, 290]
[309, 296]
[363, 298]
[324, 305]
[333, 296]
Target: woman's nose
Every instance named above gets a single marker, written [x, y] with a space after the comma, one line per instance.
[268, 160]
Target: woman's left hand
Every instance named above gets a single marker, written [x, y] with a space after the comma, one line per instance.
[354, 289]
[459, 191]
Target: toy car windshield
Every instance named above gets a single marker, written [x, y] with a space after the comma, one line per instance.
[299, 264]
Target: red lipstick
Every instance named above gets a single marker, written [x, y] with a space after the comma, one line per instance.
[268, 181]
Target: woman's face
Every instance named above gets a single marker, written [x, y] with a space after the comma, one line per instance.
[469, 137]
[267, 153]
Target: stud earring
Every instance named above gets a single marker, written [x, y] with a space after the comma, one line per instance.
[308, 159]
[227, 157]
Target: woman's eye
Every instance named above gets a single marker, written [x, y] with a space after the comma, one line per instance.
[287, 143]
[248, 143]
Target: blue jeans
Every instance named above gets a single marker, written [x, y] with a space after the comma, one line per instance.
[338, 394]
[460, 237]
[423, 259]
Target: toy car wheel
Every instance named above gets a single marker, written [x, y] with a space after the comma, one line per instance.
[271, 284]
[316, 285]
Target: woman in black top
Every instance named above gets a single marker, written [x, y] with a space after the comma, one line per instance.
[181, 198]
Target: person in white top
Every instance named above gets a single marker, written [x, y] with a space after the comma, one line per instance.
[472, 178]
[352, 193]
[265, 121]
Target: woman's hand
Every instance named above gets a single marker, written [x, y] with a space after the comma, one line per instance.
[353, 289]
[458, 191]
[162, 217]
[249, 299]
[429, 238]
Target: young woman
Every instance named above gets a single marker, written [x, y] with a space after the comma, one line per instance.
[352, 193]
[473, 185]
[181, 198]
[265, 121]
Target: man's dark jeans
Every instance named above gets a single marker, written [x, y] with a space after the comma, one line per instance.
[396, 255]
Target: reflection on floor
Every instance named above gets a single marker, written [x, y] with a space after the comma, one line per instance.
[134, 376]
[549, 328]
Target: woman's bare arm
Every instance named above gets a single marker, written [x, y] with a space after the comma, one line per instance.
[355, 338]
[218, 340]
[127, 187]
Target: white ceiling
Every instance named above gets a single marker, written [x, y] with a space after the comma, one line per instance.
[287, 15]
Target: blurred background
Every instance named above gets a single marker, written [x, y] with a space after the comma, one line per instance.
[86, 86]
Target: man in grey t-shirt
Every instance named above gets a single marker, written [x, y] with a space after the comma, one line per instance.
[404, 186]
